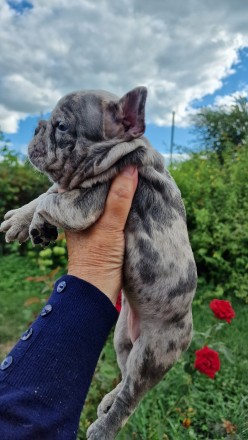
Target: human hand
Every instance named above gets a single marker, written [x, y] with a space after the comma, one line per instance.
[96, 254]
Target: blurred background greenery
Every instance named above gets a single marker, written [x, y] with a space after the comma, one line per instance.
[214, 186]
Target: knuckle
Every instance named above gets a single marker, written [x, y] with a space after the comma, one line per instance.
[122, 192]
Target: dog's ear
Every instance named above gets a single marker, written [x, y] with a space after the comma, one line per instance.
[126, 118]
[132, 111]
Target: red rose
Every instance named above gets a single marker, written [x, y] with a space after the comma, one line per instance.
[222, 309]
[207, 361]
[118, 303]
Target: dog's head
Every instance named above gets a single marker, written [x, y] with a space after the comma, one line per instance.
[82, 121]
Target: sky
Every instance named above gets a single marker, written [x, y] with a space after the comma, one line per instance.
[189, 54]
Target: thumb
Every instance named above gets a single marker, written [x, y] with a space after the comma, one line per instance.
[119, 199]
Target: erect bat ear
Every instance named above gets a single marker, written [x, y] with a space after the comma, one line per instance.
[125, 118]
[132, 111]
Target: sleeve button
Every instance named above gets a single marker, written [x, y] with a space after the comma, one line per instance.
[26, 335]
[6, 362]
[61, 286]
[47, 309]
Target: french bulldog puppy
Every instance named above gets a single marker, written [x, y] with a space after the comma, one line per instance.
[89, 138]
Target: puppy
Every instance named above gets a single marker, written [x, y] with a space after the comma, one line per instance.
[89, 138]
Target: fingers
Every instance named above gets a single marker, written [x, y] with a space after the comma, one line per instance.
[120, 199]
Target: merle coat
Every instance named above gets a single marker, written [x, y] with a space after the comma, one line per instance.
[89, 138]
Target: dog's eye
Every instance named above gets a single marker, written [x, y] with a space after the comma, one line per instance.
[62, 127]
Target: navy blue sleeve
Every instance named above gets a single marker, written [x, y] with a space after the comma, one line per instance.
[44, 380]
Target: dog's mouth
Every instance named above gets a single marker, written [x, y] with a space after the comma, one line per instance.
[35, 157]
[37, 149]
[37, 153]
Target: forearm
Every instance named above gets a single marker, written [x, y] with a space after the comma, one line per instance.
[43, 391]
[74, 210]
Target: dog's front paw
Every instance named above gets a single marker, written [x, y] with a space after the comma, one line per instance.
[99, 430]
[42, 232]
[16, 226]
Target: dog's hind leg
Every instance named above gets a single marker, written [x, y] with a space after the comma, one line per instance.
[146, 365]
[123, 346]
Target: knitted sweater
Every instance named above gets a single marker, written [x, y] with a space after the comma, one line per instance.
[44, 380]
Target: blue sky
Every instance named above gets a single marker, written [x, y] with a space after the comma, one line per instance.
[20, 6]
[49, 48]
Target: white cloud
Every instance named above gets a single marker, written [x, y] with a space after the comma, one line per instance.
[176, 157]
[9, 119]
[180, 50]
[229, 100]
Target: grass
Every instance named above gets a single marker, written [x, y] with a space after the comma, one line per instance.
[213, 409]
[185, 405]
[20, 299]
[15, 291]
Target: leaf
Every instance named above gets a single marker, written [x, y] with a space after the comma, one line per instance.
[220, 326]
[188, 368]
[219, 346]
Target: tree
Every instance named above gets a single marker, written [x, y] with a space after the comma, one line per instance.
[221, 128]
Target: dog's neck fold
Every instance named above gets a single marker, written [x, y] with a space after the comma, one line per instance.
[99, 165]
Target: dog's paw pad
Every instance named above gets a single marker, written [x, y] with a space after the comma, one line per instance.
[50, 232]
[42, 232]
[37, 240]
[34, 232]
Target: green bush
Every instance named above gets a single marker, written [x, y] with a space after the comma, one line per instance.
[216, 200]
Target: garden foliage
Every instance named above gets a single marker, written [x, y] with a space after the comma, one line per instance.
[216, 200]
[187, 404]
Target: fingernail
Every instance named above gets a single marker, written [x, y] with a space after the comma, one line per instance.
[129, 171]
